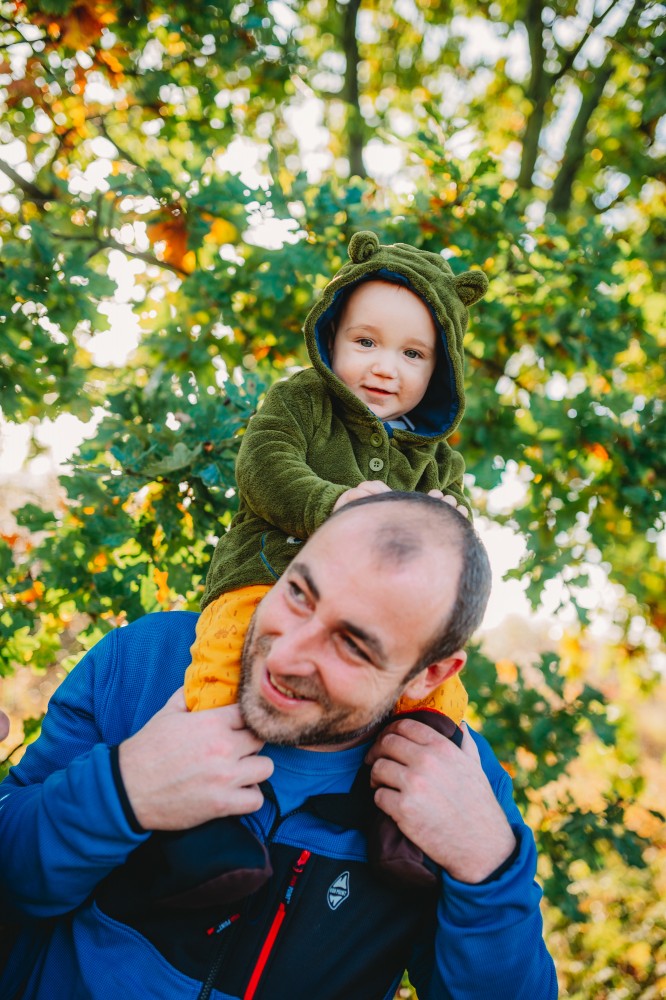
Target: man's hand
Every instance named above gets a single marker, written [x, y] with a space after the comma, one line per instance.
[184, 768]
[367, 489]
[451, 500]
[441, 799]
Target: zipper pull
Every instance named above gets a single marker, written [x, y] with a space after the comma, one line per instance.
[296, 869]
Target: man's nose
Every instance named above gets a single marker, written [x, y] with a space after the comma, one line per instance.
[294, 652]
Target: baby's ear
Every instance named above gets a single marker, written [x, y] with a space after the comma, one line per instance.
[471, 286]
[331, 334]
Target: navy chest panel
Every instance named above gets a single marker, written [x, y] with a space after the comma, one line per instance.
[320, 928]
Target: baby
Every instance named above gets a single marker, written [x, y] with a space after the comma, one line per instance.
[375, 411]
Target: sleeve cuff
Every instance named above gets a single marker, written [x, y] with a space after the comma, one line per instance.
[504, 867]
[130, 815]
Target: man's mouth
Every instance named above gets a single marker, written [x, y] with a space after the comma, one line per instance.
[287, 692]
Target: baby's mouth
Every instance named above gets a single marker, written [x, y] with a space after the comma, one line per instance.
[379, 392]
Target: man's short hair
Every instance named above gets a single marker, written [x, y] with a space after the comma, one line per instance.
[446, 526]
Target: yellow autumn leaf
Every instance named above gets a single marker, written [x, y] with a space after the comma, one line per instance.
[639, 955]
[160, 577]
[170, 229]
[507, 671]
[98, 562]
[221, 231]
[33, 593]
[574, 659]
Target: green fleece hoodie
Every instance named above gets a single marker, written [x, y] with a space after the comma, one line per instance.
[312, 439]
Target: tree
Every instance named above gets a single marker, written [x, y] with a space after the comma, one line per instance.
[123, 115]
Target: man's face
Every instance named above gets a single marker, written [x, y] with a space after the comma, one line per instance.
[330, 645]
[384, 349]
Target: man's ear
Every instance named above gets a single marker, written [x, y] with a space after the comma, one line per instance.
[431, 677]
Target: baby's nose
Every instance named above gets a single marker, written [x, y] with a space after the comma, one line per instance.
[384, 364]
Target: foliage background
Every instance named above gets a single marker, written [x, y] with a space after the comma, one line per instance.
[535, 151]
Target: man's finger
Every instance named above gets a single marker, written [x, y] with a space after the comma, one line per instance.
[388, 774]
[246, 800]
[246, 744]
[388, 800]
[410, 733]
[398, 748]
[231, 715]
[253, 770]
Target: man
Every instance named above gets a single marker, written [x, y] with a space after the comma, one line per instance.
[378, 602]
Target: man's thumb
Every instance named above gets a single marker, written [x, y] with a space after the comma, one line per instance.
[176, 703]
[468, 745]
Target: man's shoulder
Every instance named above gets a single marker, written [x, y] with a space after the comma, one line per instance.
[172, 629]
[137, 668]
[159, 623]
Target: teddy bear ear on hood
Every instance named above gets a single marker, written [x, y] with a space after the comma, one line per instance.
[362, 246]
[471, 286]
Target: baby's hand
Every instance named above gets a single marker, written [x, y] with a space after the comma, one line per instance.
[368, 489]
[447, 498]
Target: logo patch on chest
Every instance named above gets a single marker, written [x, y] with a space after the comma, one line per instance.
[338, 891]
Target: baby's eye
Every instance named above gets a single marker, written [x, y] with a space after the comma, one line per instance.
[365, 342]
[412, 353]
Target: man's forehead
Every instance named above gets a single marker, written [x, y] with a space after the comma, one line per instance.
[395, 533]
[388, 592]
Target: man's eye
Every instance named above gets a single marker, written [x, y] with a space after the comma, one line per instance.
[295, 591]
[354, 648]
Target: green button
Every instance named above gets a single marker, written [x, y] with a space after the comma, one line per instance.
[376, 464]
[375, 440]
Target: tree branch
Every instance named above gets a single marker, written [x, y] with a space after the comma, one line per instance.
[568, 56]
[26, 186]
[560, 200]
[101, 125]
[108, 243]
[146, 257]
[10, 25]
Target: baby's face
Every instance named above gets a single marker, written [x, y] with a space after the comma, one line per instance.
[385, 349]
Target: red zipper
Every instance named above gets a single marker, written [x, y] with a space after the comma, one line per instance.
[269, 943]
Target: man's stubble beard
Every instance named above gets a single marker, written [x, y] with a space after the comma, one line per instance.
[267, 723]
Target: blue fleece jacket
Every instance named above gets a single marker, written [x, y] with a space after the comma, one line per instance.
[66, 834]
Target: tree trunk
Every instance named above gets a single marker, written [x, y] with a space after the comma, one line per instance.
[350, 91]
[537, 93]
[560, 199]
